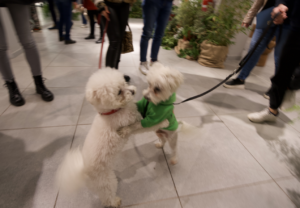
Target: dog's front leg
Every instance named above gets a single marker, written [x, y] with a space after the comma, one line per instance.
[138, 128]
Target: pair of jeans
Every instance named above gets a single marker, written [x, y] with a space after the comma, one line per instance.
[119, 14]
[281, 37]
[287, 63]
[65, 20]
[156, 14]
[52, 10]
[92, 14]
[20, 17]
[83, 19]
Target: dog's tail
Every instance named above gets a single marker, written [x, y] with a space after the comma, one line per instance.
[70, 175]
[187, 129]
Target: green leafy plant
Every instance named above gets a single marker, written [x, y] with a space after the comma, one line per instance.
[75, 16]
[46, 10]
[220, 27]
[193, 52]
[136, 10]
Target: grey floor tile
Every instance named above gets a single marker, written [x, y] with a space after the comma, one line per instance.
[45, 57]
[169, 203]
[4, 100]
[141, 170]
[292, 189]
[213, 159]
[267, 195]
[29, 159]
[63, 110]
[270, 144]
[76, 59]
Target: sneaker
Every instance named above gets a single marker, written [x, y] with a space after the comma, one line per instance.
[289, 100]
[144, 68]
[267, 95]
[262, 116]
[235, 84]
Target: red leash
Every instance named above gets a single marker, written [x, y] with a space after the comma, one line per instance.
[106, 25]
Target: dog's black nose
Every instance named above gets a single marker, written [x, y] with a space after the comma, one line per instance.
[132, 92]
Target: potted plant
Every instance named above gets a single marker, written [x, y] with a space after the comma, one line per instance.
[218, 29]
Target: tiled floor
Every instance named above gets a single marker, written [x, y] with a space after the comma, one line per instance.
[231, 163]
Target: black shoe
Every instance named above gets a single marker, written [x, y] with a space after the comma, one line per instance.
[61, 38]
[15, 96]
[67, 42]
[53, 28]
[127, 78]
[42, 90]
[267, 95]
[90, 37]
[235, 83]
[99, 40]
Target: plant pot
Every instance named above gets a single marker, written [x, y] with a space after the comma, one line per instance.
[183, 44]
[212, 55]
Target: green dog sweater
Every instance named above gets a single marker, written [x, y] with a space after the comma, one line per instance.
[158, 113]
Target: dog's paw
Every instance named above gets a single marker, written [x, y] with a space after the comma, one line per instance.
[123, 132]
[117, 202]
[164, 124]
[173, 161]
[158, 145]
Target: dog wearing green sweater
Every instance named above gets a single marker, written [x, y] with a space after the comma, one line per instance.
[157, 106]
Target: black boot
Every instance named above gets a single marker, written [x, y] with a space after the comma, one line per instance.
[67, 42]
[90, 37]
[42, 90]
[99, 40]
[15, 96]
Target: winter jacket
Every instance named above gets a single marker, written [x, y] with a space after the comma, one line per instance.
[158, 113]
[256, 6]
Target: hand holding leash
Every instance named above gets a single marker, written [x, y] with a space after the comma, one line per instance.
[279, 14]
[106, 13]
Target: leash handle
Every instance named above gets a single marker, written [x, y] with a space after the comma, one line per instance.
[242, 63]
[103, 38]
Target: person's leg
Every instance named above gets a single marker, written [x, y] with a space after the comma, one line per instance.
[161, 23]
[281, 37]
[20, 16]
[288, 61]
[53, 14]
[84, 22]
[114, 35]
[92, 25]
[61, 21]
[150, 13]
[5, 67]
[244, 73]
[123, 19]
[68, 18]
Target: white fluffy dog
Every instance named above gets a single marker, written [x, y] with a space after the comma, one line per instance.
[112, 98]
[157, 105]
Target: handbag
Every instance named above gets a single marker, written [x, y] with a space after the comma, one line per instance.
[25, 2]
[127, 45]
[264, 18]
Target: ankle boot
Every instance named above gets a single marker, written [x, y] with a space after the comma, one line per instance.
[42, 90]
[15, 96]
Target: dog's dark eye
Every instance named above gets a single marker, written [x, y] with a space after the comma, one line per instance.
[156, 90]
[120, 92]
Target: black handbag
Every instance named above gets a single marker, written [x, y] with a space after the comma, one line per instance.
[25, 2]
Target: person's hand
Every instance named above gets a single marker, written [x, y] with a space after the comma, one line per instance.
[282, 9]
[246, 25]
[105, 13]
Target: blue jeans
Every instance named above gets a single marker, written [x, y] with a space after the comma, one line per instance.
[280, 40]
[65, 11]
[83, 19]
[154, 12]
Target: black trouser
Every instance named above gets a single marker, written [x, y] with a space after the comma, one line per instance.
[119, 13]
[288, 61]
[92, 14]
[52, 10]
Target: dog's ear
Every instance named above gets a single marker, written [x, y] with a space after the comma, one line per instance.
[92, 95]
[175, 79]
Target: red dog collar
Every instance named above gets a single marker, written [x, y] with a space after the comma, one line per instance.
[110, 112]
